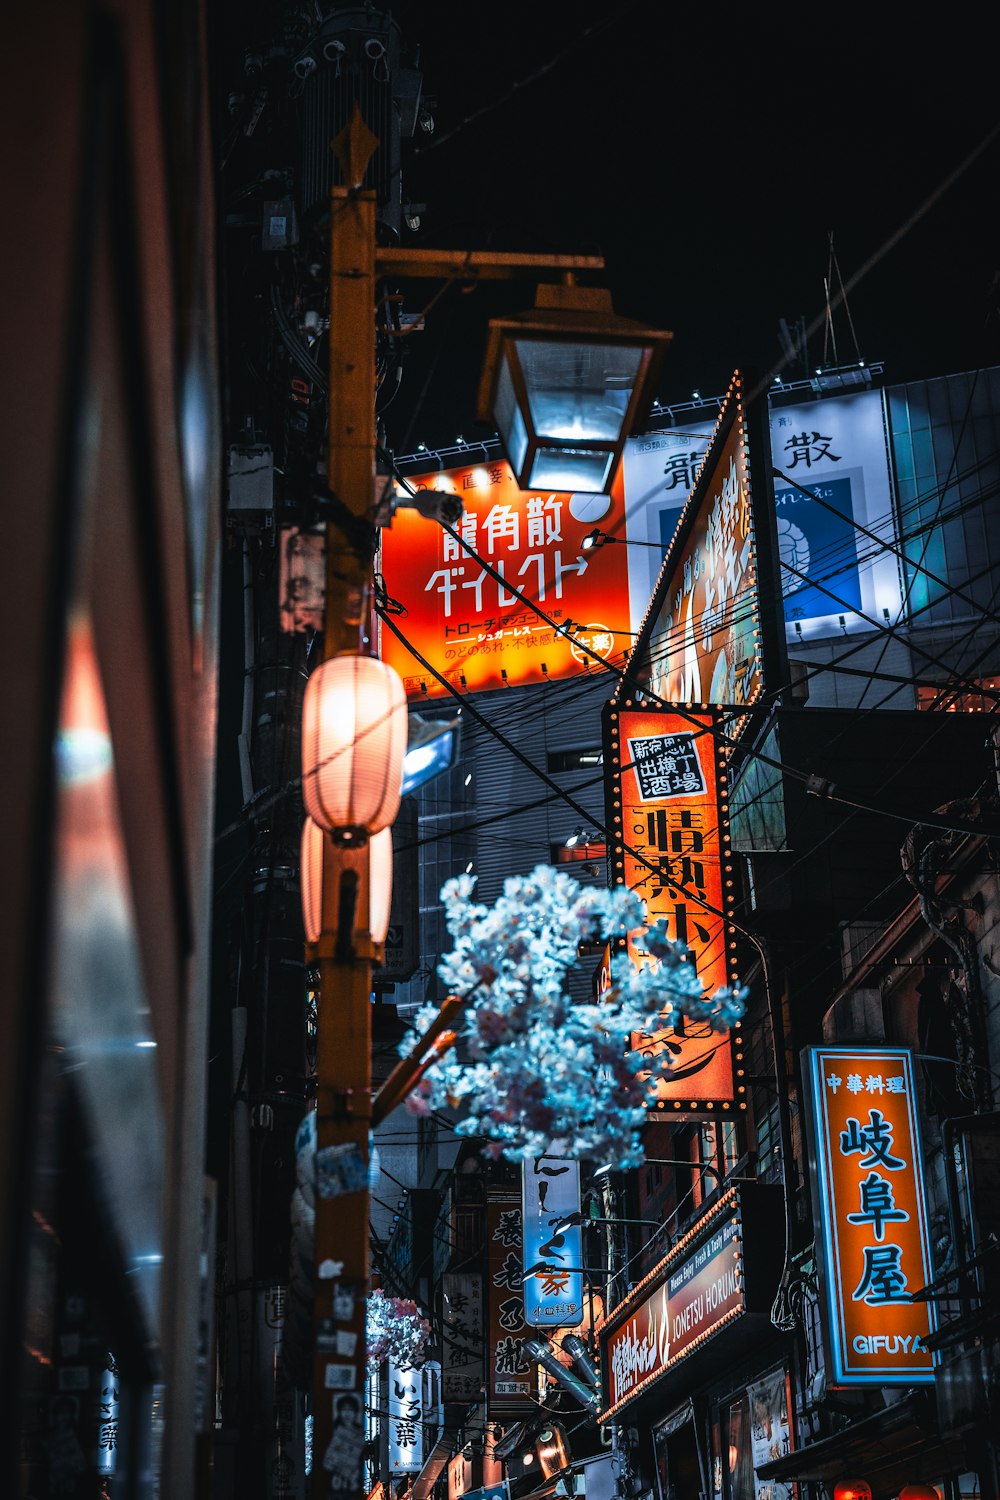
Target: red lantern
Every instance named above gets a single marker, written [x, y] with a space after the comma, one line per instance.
[852, 1489]
[919, 1492]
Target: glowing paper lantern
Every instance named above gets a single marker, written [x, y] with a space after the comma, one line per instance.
[378, 887]
[353, 742]
[852, 1489]
[311, 880]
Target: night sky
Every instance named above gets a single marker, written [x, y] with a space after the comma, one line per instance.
[707, 158]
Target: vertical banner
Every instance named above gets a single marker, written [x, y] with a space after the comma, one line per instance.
[550, 1194]
[668, 808]
[770, 1429]
[872, 1214]
[406, 1419]
[509, 1377]
[462, 1364]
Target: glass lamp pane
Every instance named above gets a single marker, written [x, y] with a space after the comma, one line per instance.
[508, 417]
[579, 469]
[578, 391]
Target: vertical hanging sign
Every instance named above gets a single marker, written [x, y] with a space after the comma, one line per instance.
[462, 1360]
[668, 809]
[406, 1419]
[553, 1274]
[871, 1214]
[509, 1378]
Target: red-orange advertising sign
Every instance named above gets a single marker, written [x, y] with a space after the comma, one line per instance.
[462, 614]
[668, 809]
[697, 1289]
[872, 1214]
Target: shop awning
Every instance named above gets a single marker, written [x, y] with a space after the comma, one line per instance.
[897, 1446]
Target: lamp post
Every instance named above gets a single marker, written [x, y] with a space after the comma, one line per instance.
[339, 911]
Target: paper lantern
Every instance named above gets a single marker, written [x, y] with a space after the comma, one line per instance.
[375, 893]
[311, 880]
[353, 742]
[852, 1489]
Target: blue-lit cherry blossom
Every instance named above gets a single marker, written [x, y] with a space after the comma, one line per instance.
[533, 1072]
[395, 1330]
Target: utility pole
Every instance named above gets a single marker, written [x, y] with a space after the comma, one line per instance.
[345, 950]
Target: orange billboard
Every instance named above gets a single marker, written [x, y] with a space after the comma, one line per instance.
[871, 1213]
[469, 593]
[666, 784]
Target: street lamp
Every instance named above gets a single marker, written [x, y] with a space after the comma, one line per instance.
[565, 384]
[598, 538]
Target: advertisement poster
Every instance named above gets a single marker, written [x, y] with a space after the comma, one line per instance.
[872, 1215]
[550, 1193]
[461, 615]
[831, 480]
[770, 1431]
[666, 784]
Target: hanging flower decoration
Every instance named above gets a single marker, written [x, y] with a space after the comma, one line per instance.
[395, 1330]
[533, 1071]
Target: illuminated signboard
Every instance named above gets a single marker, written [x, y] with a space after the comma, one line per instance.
[713, 632]
[871, 1212]
[832, 479]
[550, 1193]
[668, 811]
[694, 1292]
[509, 1379]
[461, 615]
[406, 1419]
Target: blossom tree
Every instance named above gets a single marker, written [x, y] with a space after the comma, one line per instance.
[395, 1330]
[534, 1072]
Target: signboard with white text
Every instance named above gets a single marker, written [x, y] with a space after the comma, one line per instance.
[695, 1291]
[469, 594]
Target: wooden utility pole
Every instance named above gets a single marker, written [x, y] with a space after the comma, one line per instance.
[345, 952]
[345, 949]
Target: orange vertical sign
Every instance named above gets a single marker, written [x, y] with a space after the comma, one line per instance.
[872, 1215]
[668, 811]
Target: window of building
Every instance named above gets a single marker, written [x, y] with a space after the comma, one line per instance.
[960, 698]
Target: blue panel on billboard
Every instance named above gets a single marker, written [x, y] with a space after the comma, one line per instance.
[817, 541]
[552, 1247]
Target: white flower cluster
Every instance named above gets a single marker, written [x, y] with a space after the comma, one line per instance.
[536, 1073]
[394, 1329]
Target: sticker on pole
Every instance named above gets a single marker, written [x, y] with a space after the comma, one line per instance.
[339, 1170]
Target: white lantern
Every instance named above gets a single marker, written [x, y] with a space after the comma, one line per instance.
[378, 887]
[379, 884]
[353, 742]
[311, 880]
